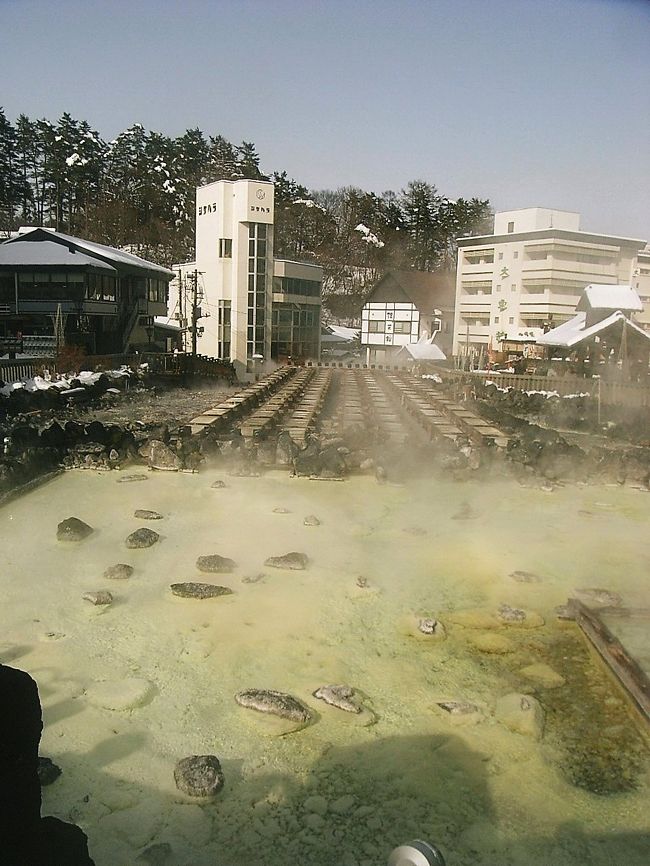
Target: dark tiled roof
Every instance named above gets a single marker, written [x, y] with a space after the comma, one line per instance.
[423, 288]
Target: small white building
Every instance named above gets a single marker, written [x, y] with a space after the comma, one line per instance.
[250, 308]
[402, 309]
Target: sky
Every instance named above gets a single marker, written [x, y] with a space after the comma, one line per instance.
[526, 102]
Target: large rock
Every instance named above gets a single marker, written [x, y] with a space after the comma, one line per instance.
[339, 696]
[276, 703]
[162, 457]
[215, 564]
[99, 597]
[142, 538]
[543, 674]
[144, 514]
[119, 571]
[199, 590]
[199, 775]
[522, 714]
[73, 529]
[294, 561]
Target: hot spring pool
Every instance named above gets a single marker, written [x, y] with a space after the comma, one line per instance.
[348, 788]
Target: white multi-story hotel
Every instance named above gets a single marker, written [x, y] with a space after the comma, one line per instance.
[251, 307]
[530, 274]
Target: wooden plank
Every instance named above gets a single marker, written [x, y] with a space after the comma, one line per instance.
[626, 669]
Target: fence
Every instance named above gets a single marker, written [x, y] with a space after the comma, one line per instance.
[625, 394]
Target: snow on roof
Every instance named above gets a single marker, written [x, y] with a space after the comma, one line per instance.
[344, 333]
[115, 255]
[165, 322]
[598, 296]
[25, 253]
[423, 351]
[574, 331]
[523, 335]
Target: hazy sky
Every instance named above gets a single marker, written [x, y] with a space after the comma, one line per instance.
[526, 102]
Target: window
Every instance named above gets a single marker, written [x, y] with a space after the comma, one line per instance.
[511, 320]
[376, 326]
[500, 257]
[496, 320]
[511, 228]
[402, 327]
[499, 287]
[513, 287]
[225, 248]
[515, 255]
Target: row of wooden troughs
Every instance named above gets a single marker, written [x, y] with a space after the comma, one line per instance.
[293, 399]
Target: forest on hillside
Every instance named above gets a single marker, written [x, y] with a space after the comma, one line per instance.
[138, 191]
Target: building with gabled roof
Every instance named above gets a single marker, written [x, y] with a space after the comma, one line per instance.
[404, 307]
[105, 299]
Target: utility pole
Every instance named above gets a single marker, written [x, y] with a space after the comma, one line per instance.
[195, 312]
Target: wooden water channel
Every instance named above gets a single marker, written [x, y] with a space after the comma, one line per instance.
[306, 400]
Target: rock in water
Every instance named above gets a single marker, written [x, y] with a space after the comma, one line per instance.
[294, 561]
[311, 520]
[338, 696]
[277, 703]
[162, 457]
[431, 626]
[218, 485]
[458, 708]
[142, 538]
[596, 597]
[525, 577]
[199, 590]
[73, 529]
[143, 514]
[120, 571]
[199, 775]
[522, 714]
[280, 510]
[101, 597]
[215, 564]
[126, 479]
[48, 771]
[511, 614]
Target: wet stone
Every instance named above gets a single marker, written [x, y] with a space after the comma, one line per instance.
[311, 520]
[431, 626]
[595, 597]
[544, 675]
[119, 571]
[281, 511]
[276, 703]
[294, 561]
[144, 514]
[511, 614]
[142, 538]
[101, 597]
[493, 644]
[215, 564]
[199, 590]
[48, 771]
[218, 484]
[253, 578]
[525, 577]
[199, 775]
[162, 457]
[338, 696]
[73, 529]
[458, 708]
[128, 479]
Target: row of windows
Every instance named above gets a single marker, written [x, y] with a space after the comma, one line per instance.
[297, 318]
[57, 286]
[378, 326]
[257, 233]
[157, 291]
[294, 286]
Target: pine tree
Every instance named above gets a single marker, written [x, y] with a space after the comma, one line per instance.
[10, 183]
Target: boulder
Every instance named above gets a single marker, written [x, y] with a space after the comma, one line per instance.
[293, 561]
[119, 571]
[218, 484]
[128, 479]
[162, 457]
[338, 696]
[215, 564]
[100, 597]
[144, 514]
[199, 775]
[276, 703]
[199, 590]
[432, 627]
[311, 520]
[522, 714]
[48, 771]
[73, 529]
[142, 538]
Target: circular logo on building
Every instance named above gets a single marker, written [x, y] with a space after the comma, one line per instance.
[260, 194]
